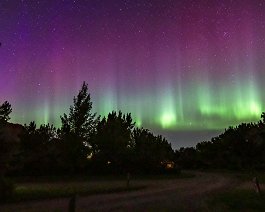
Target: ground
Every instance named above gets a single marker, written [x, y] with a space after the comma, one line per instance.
[187, 194]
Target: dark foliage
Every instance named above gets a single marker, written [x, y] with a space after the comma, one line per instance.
[9, 136]
[150, 150]
[5, 110]
[113, 143]
[37, 150]
[77, 129]
[80, 122]
[86, 144]
[241, 147]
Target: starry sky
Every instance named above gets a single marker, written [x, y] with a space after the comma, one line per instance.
[184, 69]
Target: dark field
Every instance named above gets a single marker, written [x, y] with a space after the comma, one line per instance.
[190, 191]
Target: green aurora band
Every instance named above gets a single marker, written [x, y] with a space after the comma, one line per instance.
[174, 65]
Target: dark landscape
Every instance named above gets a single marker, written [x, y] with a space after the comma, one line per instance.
[132, 105]
[110, 164]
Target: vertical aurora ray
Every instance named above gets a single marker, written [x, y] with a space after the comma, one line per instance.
[169, 116]
[174, 65]
[107, 103]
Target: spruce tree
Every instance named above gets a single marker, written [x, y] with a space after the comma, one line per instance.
[81, 121]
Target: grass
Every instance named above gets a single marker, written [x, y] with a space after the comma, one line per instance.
[56, 187]
[88, 178]
[41, 191]
[247, 176]
[237, 200]
[183, 175]
[241, 175]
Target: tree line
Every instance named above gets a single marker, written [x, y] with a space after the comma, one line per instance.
[238, 148]
[85, 143]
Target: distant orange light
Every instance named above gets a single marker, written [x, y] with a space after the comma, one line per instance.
[169, 166]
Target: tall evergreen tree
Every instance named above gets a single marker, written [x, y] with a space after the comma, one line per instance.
[77, 130]
[81, 121]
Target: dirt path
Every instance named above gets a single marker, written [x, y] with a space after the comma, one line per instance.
[164, 195]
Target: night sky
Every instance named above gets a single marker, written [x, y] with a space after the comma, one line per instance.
[184, 69]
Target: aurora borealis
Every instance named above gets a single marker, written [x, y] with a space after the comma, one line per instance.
[177, 66]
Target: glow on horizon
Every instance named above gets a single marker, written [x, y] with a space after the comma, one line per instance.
[212, 115]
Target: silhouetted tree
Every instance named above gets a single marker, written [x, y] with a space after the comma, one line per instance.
[81, 121]
[150, 150]
[240, 147]
[5, 110]
[77, 130]
[112, 143]
[188, 158]
[37, 151]
[7, 138]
